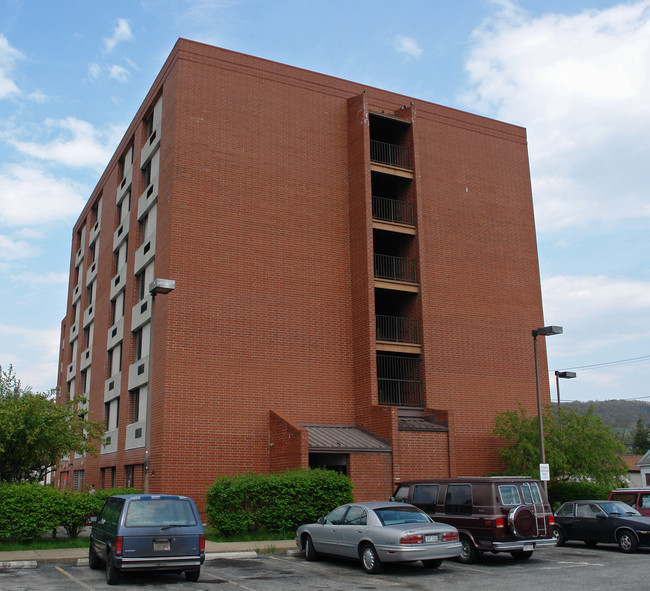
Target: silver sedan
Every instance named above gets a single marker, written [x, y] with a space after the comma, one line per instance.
[377, 532]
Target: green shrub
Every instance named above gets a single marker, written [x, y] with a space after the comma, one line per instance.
[562, 491]
[29, 510]
[275, 502]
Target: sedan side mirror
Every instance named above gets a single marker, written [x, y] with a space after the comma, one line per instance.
[321, 521]
[601, 516]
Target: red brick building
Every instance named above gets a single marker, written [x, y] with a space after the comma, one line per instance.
[355, 283]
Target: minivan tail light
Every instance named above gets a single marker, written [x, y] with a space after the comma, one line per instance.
[500, 522]
[412, 539]
[202, 544]
[119, 545]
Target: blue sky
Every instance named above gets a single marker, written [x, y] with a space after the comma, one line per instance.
[575, 73]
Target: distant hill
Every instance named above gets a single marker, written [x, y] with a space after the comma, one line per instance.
[622, 415]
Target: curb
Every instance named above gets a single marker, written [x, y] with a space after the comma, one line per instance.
[19, 564]
[16, 564]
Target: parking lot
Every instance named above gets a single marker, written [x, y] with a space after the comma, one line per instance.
[573, 567]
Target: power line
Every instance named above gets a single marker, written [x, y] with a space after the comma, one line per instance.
[611, 363]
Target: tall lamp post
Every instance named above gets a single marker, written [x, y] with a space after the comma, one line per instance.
[157, 286]
[545, 331]
[562, 374]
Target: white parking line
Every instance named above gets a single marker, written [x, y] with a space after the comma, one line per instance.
[73, 579]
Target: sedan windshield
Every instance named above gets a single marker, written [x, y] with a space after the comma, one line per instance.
[618, 508]
[395, 515]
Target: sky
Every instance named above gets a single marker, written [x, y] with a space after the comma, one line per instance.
[574, 73]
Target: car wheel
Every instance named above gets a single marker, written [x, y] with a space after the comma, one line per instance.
[370, 560]
[627, 541]
[469, 553]
[559, 536]
[193, 575]
[310, 553]
[432, 563]
[112, 572]
[94, 561]
[521, 555]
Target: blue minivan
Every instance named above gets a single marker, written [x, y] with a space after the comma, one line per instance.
[147, 532]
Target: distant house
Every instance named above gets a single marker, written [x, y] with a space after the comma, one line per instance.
[644, 468]
[633, 471]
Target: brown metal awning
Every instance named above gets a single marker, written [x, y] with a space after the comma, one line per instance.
[344, 439]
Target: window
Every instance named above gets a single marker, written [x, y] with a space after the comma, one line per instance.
[141, 281]
[135, 406]
[458, 500]
[356, 516]
[644, 501]
[509, 494]
[84, 381]
[128, 476]
[107, 415]
[159, 512]
[146, 175]
[402, 494]
[425, 497]
[148, 123]
[530, 491]
[78, 480]
[566, 510]
[111, 512]
[137, 345]
[336, 516]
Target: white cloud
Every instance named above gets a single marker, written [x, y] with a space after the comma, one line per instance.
[119, 73]
[12, 249]
[580, 84]
[122, 32]
[94, 71]
[78, 144]
[41, 279]
[8, 58]
[30, 197]
[600, 311]
[407, 45]
[33, 353]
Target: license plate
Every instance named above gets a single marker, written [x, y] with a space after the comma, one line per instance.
[528, 547]
[431, 538]
[161, 545]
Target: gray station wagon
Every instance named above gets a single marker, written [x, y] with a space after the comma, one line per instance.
[147, 532]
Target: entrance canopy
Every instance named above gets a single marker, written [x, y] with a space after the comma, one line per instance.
[344, 439]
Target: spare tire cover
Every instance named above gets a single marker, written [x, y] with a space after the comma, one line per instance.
[522, 521]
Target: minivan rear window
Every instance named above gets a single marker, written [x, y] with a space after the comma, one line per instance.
[509, 494]
[159, 512]
[531, 493]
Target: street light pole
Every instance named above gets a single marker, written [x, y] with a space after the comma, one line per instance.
[544, 331]
[157, 286]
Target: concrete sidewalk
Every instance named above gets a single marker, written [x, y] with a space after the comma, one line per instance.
[213, 550]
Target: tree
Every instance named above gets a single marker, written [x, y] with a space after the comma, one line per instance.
[578, 445]
[36, 432]
[640, 438]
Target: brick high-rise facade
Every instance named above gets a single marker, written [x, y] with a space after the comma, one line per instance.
[356, 281]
